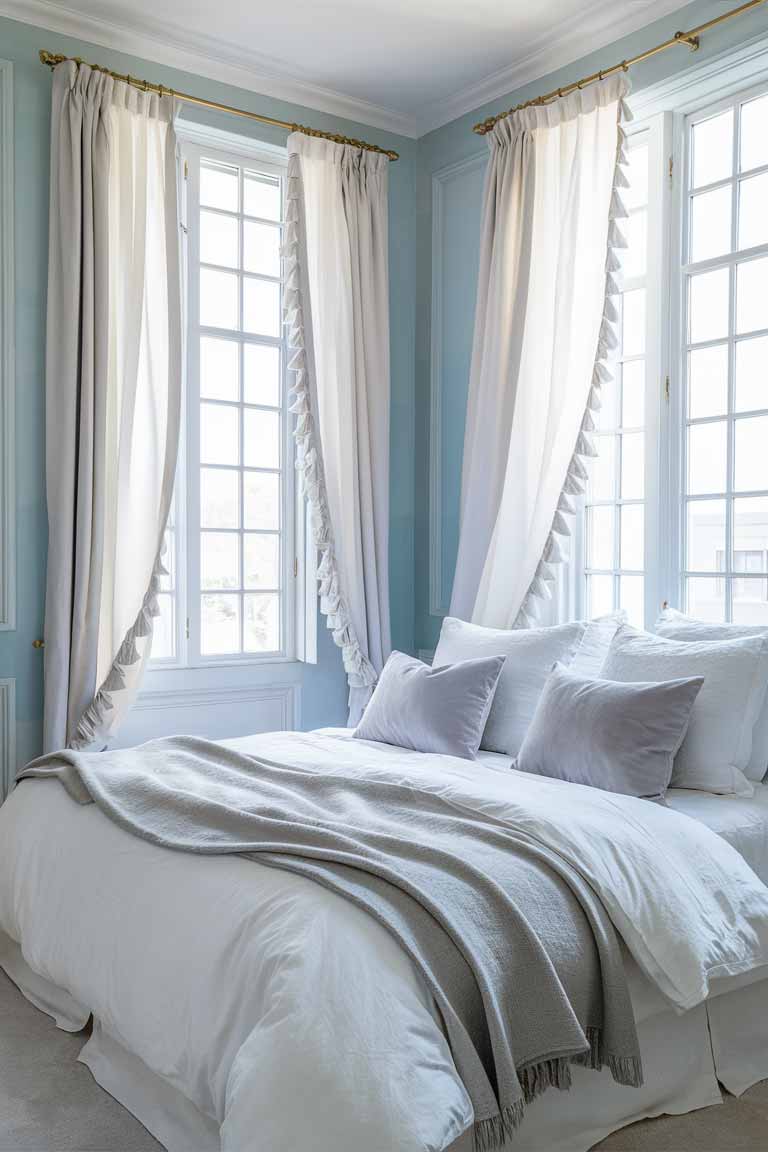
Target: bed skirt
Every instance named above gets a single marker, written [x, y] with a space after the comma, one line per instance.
[684, 1056]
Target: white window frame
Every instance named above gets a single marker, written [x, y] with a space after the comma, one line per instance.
[664, 110]
[656, 130]
[298, 561]
[680, 269]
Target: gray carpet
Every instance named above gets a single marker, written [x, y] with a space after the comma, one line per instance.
[50, 1103]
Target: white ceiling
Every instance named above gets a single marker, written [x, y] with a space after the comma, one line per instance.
[405, 65]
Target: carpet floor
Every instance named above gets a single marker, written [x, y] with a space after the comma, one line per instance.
[50, 1103]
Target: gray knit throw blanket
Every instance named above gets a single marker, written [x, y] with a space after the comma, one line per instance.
[517, 950]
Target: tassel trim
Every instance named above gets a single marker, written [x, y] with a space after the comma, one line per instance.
[93, 721]
[360, 672]
[575, 482]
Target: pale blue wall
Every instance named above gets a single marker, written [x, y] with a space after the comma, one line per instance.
[323, 687]
[450, 145]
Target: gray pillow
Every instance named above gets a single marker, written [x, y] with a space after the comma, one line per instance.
[431, 709]
[609, 735]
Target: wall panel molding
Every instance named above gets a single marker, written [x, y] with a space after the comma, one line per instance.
[7, 736]
[438, 605]
[7, 370]
[213, 713]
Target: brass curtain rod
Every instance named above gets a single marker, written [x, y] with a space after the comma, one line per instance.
[690, 38]
[52, 59]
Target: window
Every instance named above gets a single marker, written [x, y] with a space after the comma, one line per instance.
[615, 501]
[677, 504]
[229, 595]
[724, 297]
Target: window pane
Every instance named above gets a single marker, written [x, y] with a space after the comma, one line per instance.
[261, 497]
[599, 595]
[261, 196]
[261, 248]
[750, 602]
[631, 598]
[752, 374]
[754, 138]
[219, 240]
[219, 440]
[633, 394]
[753, 218]
[261, 307]
[261, 438]
[261, 372]
[752, 295]
[219, 368]
[219, 624]
[708, 306]
[711, 224]
[218, 299]
[633, 466]
[608, 415]
[633, 323]
[712, 147]
[705, 550]
[219, 560]
[750, 534]
[262, 623]
[632, 536]
[163, 629]
[708, 382]
[751, 450]
[637, 174]
[602, 469]
[634, 256]
[707, 458]
[261, 561]
[705, 597]
[600, 537]
[219, 498]
[218, 186]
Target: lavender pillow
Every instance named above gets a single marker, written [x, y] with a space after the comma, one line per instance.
[432, 709]
[615, 736]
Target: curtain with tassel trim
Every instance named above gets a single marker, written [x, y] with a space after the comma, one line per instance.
[545, 330]
[337, 317]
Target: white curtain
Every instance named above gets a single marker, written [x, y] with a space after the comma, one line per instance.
[544, 329]
[113, 389]
[337, 311]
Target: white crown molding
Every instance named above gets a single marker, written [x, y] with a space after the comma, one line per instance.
[712, 80]
[437, 605]
[228, 63]
[579, 36]
[7, 369]
[7, 736]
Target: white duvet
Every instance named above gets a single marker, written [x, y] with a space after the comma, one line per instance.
[288, 1017]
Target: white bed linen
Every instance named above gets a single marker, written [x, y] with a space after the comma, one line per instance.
[274, 1006]
[741, 820]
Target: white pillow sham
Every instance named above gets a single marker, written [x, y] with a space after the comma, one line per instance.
[718, 743]
[676, 626]
[530, 653]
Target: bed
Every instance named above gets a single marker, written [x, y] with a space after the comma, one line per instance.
[237, 1007]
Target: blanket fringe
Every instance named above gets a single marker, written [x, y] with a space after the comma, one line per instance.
[491, 1134]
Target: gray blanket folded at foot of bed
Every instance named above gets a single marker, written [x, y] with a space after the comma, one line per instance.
[518, 952]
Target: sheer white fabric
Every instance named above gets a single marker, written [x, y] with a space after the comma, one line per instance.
[337, 311]
[113, 393]
[548, 219]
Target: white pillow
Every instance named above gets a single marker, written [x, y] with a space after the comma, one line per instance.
[531, 653]
[718, 743]
[675, 626]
